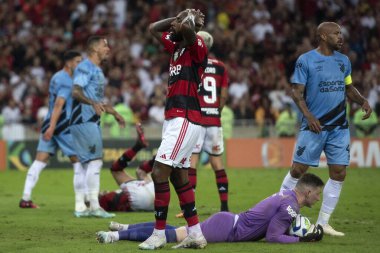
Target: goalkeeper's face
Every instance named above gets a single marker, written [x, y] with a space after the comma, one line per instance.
[312, 195]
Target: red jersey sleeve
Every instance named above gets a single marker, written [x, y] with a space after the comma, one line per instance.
[198, 50]
[225, 78]
[168, 44]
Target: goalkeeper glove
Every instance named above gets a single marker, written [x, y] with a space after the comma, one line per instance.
[314, 236]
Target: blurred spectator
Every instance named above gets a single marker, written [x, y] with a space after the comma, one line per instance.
[286, 123]
[365, 128]
[259, 42]
[13, 130]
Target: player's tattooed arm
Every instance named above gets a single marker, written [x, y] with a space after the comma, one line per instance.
[109, 109]
[354, 95]
[298, 97]
[157, 28]
[78, 95]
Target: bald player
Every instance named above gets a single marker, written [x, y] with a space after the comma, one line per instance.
[320, 84]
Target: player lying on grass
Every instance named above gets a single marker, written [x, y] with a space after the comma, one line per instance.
[133, 195]
[269, 219]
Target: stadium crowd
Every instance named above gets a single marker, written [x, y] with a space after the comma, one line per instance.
[258, 41]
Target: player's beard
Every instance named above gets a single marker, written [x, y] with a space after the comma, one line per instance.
[176, 37]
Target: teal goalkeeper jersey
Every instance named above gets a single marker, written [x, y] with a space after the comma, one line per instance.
[325, 79]
[91, 78]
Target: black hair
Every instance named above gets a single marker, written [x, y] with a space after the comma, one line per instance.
[92, 40]
[70, 54]
[310, 180]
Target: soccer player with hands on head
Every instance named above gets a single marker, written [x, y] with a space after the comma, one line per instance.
[269, 219]
[182, 127]
[321, 82]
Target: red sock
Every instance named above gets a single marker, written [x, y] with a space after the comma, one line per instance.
[161, 203]
[147, 166]
[123, 160]
[187, 202]
[222, 184]
[193, 177]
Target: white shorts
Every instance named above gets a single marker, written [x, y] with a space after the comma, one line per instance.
[141, 194]
[211, 141]
[178, 140]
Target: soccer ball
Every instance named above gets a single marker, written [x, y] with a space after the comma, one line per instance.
[300, 226]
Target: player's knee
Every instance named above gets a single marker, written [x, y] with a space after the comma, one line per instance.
[338, 174]
[298, 170]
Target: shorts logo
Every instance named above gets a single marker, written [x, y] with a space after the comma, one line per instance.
[92, 149]
[163, 156]
[300, 150]
[183, 161]
[215, 148]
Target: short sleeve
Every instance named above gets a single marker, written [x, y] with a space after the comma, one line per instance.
[198, 50]
[168, 44]
[225, 78]
[64, 88]
[81, 76]
[347, 74]
[300, 71]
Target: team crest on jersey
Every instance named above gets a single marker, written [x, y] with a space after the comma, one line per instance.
[92, 149]
[178, 54]
[342, 68]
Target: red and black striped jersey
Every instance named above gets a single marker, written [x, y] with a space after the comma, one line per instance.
[186, 69]
[214, 79]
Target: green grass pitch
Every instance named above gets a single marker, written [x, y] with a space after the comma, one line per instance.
[52, 228]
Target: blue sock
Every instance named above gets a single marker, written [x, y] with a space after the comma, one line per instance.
[140, 232]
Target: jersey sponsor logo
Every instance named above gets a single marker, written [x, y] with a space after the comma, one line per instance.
[331, 86]
[210, 70]
[82, 71]
[300, 150]
[291, 212]
[175, 70]
[210, 111]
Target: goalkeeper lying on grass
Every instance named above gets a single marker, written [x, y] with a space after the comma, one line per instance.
[269, 219]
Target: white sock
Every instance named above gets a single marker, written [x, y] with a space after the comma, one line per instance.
[32, 178]
[115, 235]
[79, 186]
[159, 232]
[331, 194]
[93, 182]
[289, 182]
[195, 230]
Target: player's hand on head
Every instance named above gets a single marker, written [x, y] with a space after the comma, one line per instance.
[367, 109]
[315, 234]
